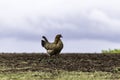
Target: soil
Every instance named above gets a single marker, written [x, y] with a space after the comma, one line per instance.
[69, 62]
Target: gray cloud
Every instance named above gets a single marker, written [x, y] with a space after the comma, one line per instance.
[76, 20]
[83, 28]
[79, 27]
[20, 35]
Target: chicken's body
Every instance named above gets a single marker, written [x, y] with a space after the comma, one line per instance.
[52, 48]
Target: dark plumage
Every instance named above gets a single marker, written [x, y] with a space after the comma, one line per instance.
[53, 48]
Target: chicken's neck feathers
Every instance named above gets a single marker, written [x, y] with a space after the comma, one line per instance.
[56, 40]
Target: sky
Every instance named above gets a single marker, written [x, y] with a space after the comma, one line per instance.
[86, 25]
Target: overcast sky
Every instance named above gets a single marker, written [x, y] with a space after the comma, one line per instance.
[86, 25]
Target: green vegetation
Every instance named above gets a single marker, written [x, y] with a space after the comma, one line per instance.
[59, 75]
[111, 51]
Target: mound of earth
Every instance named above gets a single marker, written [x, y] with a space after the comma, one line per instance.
[69, 62]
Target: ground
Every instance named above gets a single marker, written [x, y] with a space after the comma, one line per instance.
[41, 62]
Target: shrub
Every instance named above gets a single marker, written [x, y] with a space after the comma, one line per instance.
[111, 51]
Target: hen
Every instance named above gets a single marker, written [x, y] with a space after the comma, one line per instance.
[53, 48]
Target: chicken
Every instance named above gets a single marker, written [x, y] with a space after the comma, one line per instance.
[53, 48]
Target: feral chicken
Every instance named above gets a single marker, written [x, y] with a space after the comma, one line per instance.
[53, 48]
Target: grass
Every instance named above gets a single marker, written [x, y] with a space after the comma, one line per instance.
[59, 75]
[111, 51]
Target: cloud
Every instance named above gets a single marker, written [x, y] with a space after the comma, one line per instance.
[89, 45]
[28, 20]
[12, 45]
[83, 46]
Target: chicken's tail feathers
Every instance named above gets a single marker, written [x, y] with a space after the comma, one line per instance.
[42, 43]
[45, 38]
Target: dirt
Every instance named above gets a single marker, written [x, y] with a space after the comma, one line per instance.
[69, 62]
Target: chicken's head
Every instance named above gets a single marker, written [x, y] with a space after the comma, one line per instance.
[59, 36]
